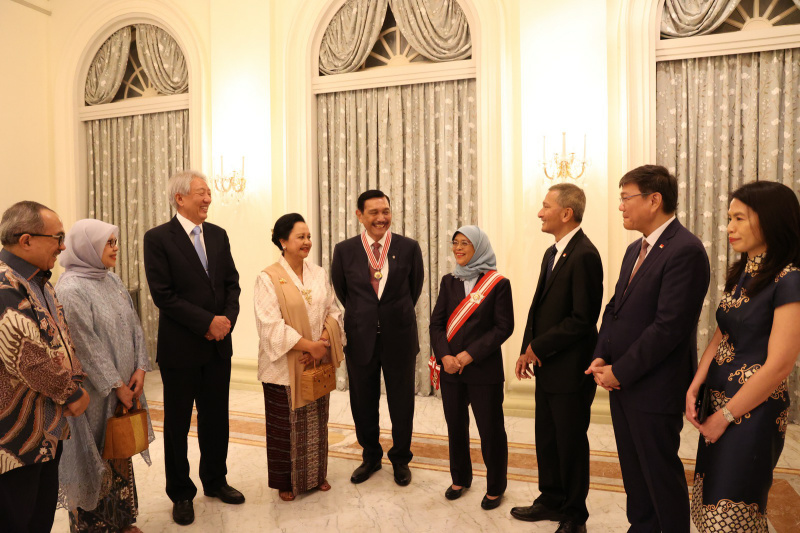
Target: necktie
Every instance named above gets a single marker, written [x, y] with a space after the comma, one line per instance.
[642, 255]
[198, 246]
[376, 253]
[551, 261]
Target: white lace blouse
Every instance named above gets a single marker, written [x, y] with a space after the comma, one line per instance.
[275, 337]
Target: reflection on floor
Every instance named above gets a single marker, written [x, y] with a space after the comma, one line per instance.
[379, 504]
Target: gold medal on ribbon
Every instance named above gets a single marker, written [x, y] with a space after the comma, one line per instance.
[377, 275]
[476, 297]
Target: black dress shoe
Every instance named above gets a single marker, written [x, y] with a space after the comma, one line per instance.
[227, 494]
[183, 512]
[454, 494]
[402, 475]
[571, 526]
[362, 473]
[487, 504]
[535, 513]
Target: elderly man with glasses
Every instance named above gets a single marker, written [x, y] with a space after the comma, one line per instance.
[40, 377]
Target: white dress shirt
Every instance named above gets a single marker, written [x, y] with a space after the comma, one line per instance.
[561, 245]
[652, 239]
[188, 226]
[385, 270]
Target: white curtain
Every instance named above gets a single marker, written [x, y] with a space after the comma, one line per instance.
[350, 35]
[418, 144]
[108, 68]
[130, 160]
[162, 60]
[721, 122]
[437, 29]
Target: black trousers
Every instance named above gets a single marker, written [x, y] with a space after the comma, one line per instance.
[562, 449]
[207, 386]
[487, 406]
[28, 497]
[653, 475]
[365, 394]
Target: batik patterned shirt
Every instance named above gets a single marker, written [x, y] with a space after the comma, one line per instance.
[38, 371]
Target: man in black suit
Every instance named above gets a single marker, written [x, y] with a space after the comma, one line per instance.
[195, 286]
[559, 339]
[646, 351]
[378, 277]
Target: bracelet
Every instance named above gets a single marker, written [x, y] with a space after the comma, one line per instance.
[727, 414]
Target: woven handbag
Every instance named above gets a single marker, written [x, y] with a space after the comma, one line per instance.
[318, 381]
[126, 432]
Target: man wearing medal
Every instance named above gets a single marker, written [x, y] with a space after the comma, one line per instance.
[378, 278]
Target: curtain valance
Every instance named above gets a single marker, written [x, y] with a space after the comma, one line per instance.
[437, 29]
[350, 35]
[162, 60]
[684, 18]
[108, 68]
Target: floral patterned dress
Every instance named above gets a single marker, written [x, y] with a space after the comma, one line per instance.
[733, 476]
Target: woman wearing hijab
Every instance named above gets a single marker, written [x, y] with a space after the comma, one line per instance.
[100, 494]
[472, 318]
[298, 323]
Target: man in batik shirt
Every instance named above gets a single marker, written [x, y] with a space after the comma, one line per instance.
[40, 377]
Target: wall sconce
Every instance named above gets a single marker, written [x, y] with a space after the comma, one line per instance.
[229, 187]
[563, 168]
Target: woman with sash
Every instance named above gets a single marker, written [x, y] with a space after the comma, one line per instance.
[298, 324]
[472, 318]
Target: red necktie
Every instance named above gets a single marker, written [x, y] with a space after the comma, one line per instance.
[642, 255]
[376, 253]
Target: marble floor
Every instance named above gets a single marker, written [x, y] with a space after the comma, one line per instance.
[379, 505]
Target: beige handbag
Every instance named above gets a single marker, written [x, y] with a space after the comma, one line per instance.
[318, 381]
[126, 432]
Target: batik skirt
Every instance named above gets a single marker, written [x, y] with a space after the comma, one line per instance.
[117, 509]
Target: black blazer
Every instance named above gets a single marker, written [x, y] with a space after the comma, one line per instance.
[481, 335]
[363, 310]
[562, 321]
[649, 332]
[186, 297]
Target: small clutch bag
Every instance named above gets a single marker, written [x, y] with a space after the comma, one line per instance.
[317, 381]
[126, 432]
[703, 403]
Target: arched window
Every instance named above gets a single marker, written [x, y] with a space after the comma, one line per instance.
[727, 113]
[136, 125]
[397, 111]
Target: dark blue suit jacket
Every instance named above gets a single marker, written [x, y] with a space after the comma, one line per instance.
[648, 332]
[362, 308]
[187, 298]
[482, 335]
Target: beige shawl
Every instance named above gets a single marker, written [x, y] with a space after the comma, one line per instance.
[293, 310]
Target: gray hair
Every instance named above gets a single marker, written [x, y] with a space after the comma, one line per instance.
[571, 196]
[22, 217]
[181, 183]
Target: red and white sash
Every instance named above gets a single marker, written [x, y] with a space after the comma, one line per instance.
[469, 304]
[376, 262]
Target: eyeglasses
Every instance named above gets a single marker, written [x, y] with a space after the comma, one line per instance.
[112, 242]
[623, 199]
[58, 236]
[462, 244]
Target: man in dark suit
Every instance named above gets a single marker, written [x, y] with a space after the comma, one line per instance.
[646, 351]
[195, 285]
[559, 339]
[378, 277]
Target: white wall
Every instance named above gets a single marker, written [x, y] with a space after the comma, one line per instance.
[25, 126]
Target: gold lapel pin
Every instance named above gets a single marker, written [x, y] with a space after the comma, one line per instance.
[661, 246]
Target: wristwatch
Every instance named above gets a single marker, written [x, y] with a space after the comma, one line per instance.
[727, 414]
